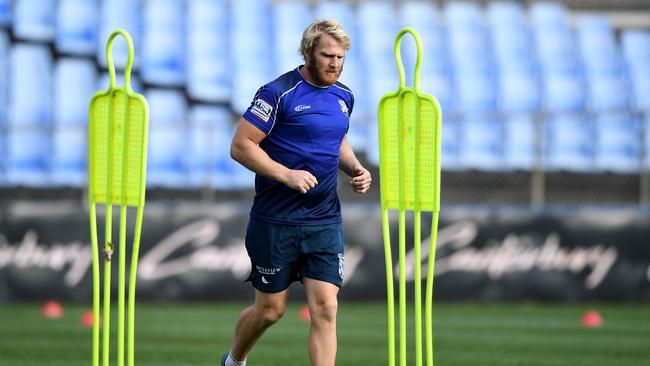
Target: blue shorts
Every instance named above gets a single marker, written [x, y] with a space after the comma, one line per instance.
[281, 254]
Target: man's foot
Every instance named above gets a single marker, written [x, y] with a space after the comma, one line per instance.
[223, 359]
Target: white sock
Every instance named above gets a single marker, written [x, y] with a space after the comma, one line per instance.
[230, 361]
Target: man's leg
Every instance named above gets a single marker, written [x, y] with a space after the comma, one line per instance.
[323, 304]
[255, 319]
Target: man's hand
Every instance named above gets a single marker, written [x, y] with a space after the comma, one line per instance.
[300, 180]
[361, 180]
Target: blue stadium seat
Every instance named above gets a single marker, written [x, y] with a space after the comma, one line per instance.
[618, 147]
[481, 143]
[636, 47]
[553, 38]
[34, 19]
[519, 142]
[506, 15]
[475, 93]
[288, 22]
[450, 143]
[6, 13]
[377, 30]
[607, 93]
[166, 165]
[467, 38]
[68, 165]
[28, 156]
[3, 156]
[30, 89]
[640, 80]
[208, 73]
[4, 76]
[76, 27]
[75, 81]
[163, 43]
[512, 51]
[646, 141]
[597, 44]
[210, 163]
[518, 92]
[549, 15]
[569, 143]
[425, 19]
[563, 93]
[119, 14]
[250, 42]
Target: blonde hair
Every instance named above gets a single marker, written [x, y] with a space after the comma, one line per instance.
[315, 30]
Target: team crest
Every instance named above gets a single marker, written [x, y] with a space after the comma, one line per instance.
[344, 107]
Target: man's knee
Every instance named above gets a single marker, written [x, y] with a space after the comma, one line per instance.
[270, 313]
[325, 310]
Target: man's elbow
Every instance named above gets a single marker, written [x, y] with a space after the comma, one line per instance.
[235, 151]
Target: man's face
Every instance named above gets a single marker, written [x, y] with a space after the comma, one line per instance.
[326, 61]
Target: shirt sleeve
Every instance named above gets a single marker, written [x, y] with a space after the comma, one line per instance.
[262, 112]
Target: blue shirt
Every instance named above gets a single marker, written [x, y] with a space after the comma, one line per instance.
[304, 126]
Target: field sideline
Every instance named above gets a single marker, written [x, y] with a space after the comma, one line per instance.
[465, 335]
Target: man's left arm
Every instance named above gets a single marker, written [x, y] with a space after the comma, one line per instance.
[349, 164]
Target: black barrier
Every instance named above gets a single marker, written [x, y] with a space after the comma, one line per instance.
[196, 252]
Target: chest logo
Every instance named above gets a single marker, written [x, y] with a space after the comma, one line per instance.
[344, 107]
[262, 109]
[301, 107]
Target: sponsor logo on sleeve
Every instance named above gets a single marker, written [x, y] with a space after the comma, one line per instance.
[262, 109]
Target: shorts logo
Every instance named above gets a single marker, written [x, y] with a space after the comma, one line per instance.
[265, 281]
[262, 109]
[344, 107]
[341, 264]
[301, 107]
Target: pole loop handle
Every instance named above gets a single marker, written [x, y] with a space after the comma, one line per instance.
[129, 61]
[398, 57]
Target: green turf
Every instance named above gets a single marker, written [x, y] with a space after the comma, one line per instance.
[466, 335]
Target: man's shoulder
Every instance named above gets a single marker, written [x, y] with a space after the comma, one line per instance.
[344, 89]
[283, 83]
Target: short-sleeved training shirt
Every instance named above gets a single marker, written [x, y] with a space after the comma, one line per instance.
[305, 125]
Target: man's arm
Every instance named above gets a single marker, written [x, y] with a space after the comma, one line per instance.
[349, 164]
[245, 149]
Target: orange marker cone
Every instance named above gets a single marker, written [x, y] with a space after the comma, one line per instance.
[303, 314]
[87, 319]
[592, 319]
[52, 310]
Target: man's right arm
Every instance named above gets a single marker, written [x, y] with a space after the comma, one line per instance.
[245, 149]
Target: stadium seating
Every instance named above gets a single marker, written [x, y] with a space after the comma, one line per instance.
[251, 62]
[6, 12]
[168, 139]
[211, 165]
[519, 142]
[208, 74]
[163, 41]
[568, 141]
[75, 81]
[34, 19]
[69, 150]
[618, 143]
[30, 87]
[119, 14]
[4, 75]
[503, 71]
[76, 27]
[481, 143]
[636, 52]
[28, 153]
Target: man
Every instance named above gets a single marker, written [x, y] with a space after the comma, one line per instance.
[293, 137]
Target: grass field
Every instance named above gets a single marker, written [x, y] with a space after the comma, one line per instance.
[465, 335]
